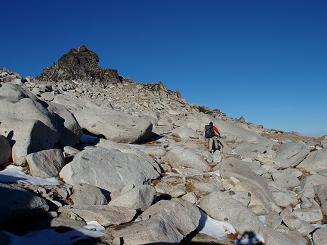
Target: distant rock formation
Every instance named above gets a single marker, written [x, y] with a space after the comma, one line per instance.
[80, 64]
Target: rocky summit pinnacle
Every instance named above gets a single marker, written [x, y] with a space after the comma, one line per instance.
[80, 64]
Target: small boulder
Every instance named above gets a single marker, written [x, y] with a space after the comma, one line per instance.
[69, 128]
[179, 156]
[285, 180]
[315, 161]
[46, 164]
[27, 136]
[310, 215]
[85, 194]
[284, 199]
[164, 222]
[248, 180]
[221, 206]
[109, 169]
[105, 215]
[291, 154]
[139, 198]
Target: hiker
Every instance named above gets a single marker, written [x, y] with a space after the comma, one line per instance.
[212, 133]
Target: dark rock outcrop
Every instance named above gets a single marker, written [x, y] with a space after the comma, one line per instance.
[80, 64]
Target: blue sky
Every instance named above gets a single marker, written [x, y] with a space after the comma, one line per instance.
[265, 60]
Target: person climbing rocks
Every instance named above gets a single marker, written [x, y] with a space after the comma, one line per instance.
[211, 133]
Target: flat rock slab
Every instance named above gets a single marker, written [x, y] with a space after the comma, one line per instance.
[109, 169]
[179, 156]
[285, 180]
[46, 163]
[310, 215]
[291, 154]
[315, 161]
[164, 222]
[105, 215]
[251, 182]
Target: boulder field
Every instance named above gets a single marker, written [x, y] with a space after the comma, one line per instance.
[83, 148]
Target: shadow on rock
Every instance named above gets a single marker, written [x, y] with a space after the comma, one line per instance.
[25, 219]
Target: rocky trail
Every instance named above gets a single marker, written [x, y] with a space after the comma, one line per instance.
[89, 157]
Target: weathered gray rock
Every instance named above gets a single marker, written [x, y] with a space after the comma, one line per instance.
[69, 128]
[19, 205]
[28, 123]
[5, 150]
[66, 222]
[321, 192]
[221, 206]
[114, 125]
[239, 133]
[249, 181]
[310, 182]
[315, 161]
[27, 136]
[284, 199]
[151, 150]
[84, 195]
[310, 215]
[294, 223]
[217, 157]
[242, 197]
[185, 133]
[179, 156]
[141, 150]
[20, 104]
[291, 154]
[70, 151]
[109, 169]
[105, 215]
[285, 180]
[140, 197]
[164, 222]
[190, 197]
[47, 163]
[320, 236]
[205, 187]
[273, 237]
[248, 150]
[48, 96]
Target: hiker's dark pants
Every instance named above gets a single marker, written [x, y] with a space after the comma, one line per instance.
[213, 143]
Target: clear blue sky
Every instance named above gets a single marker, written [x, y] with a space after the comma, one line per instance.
[265, 60]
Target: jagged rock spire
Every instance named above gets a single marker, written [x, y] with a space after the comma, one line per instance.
[80, 64]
